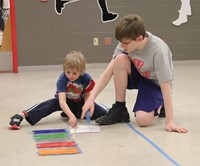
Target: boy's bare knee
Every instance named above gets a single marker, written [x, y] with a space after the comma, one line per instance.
[122, 62]
[142, 122]
[121, 58]
[143, 119]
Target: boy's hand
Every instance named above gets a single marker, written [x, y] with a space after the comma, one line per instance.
[171, 127]
[73, 122]
[89, 105]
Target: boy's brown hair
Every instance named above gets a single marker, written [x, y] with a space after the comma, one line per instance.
[130, 27]
[75, 60]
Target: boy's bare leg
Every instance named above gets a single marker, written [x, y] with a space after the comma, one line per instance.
[122, 67]
[118, 113]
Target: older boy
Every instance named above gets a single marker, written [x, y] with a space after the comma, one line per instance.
[141, 61]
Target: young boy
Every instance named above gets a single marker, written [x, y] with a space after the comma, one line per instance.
[141, 61]
[73, 89]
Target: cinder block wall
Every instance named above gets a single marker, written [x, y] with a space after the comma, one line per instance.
[44, 38]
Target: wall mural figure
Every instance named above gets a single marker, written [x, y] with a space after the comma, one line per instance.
[4, 13]
[106, 15]
[60, 5]
[184, 12]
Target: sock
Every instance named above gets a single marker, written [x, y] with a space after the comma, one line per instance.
[120, 104]
[23, 114]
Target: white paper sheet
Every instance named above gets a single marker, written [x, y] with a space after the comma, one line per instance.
[86, 129]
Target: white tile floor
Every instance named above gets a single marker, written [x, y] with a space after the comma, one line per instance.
[116, 145]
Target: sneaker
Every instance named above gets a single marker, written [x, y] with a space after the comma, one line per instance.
[114, 115]
[15, 122]
[162, 112]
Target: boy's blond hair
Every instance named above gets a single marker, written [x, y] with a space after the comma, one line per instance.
[75, 60]
[130, 27]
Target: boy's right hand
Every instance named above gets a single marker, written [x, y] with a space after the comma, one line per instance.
[89, 105]
[73, 121]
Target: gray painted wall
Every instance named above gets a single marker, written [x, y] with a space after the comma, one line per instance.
[44, 38]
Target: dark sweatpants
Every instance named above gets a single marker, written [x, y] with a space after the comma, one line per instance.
[41, 110]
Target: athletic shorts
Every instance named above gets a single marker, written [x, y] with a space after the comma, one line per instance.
[149, 97]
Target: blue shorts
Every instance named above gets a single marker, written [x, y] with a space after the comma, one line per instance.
[149, 96]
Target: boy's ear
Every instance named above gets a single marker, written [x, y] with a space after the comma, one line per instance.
[139, 38]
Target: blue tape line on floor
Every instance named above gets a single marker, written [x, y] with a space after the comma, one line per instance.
[153, 144]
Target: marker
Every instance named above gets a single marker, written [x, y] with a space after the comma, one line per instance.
[88, 117]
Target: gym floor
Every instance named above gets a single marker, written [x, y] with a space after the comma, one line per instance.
[124, 144]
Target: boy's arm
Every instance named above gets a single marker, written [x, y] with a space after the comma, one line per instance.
[66, 109]
[99, 86]
[102, 81]
[87, 95]
[167, 96]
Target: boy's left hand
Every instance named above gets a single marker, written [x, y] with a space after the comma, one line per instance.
[171, 127]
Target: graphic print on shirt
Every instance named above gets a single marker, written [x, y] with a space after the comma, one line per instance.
[74, 91]
[139, 64]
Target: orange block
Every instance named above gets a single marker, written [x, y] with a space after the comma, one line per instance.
[58, 151]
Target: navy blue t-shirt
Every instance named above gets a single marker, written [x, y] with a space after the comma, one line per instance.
[76, 90]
